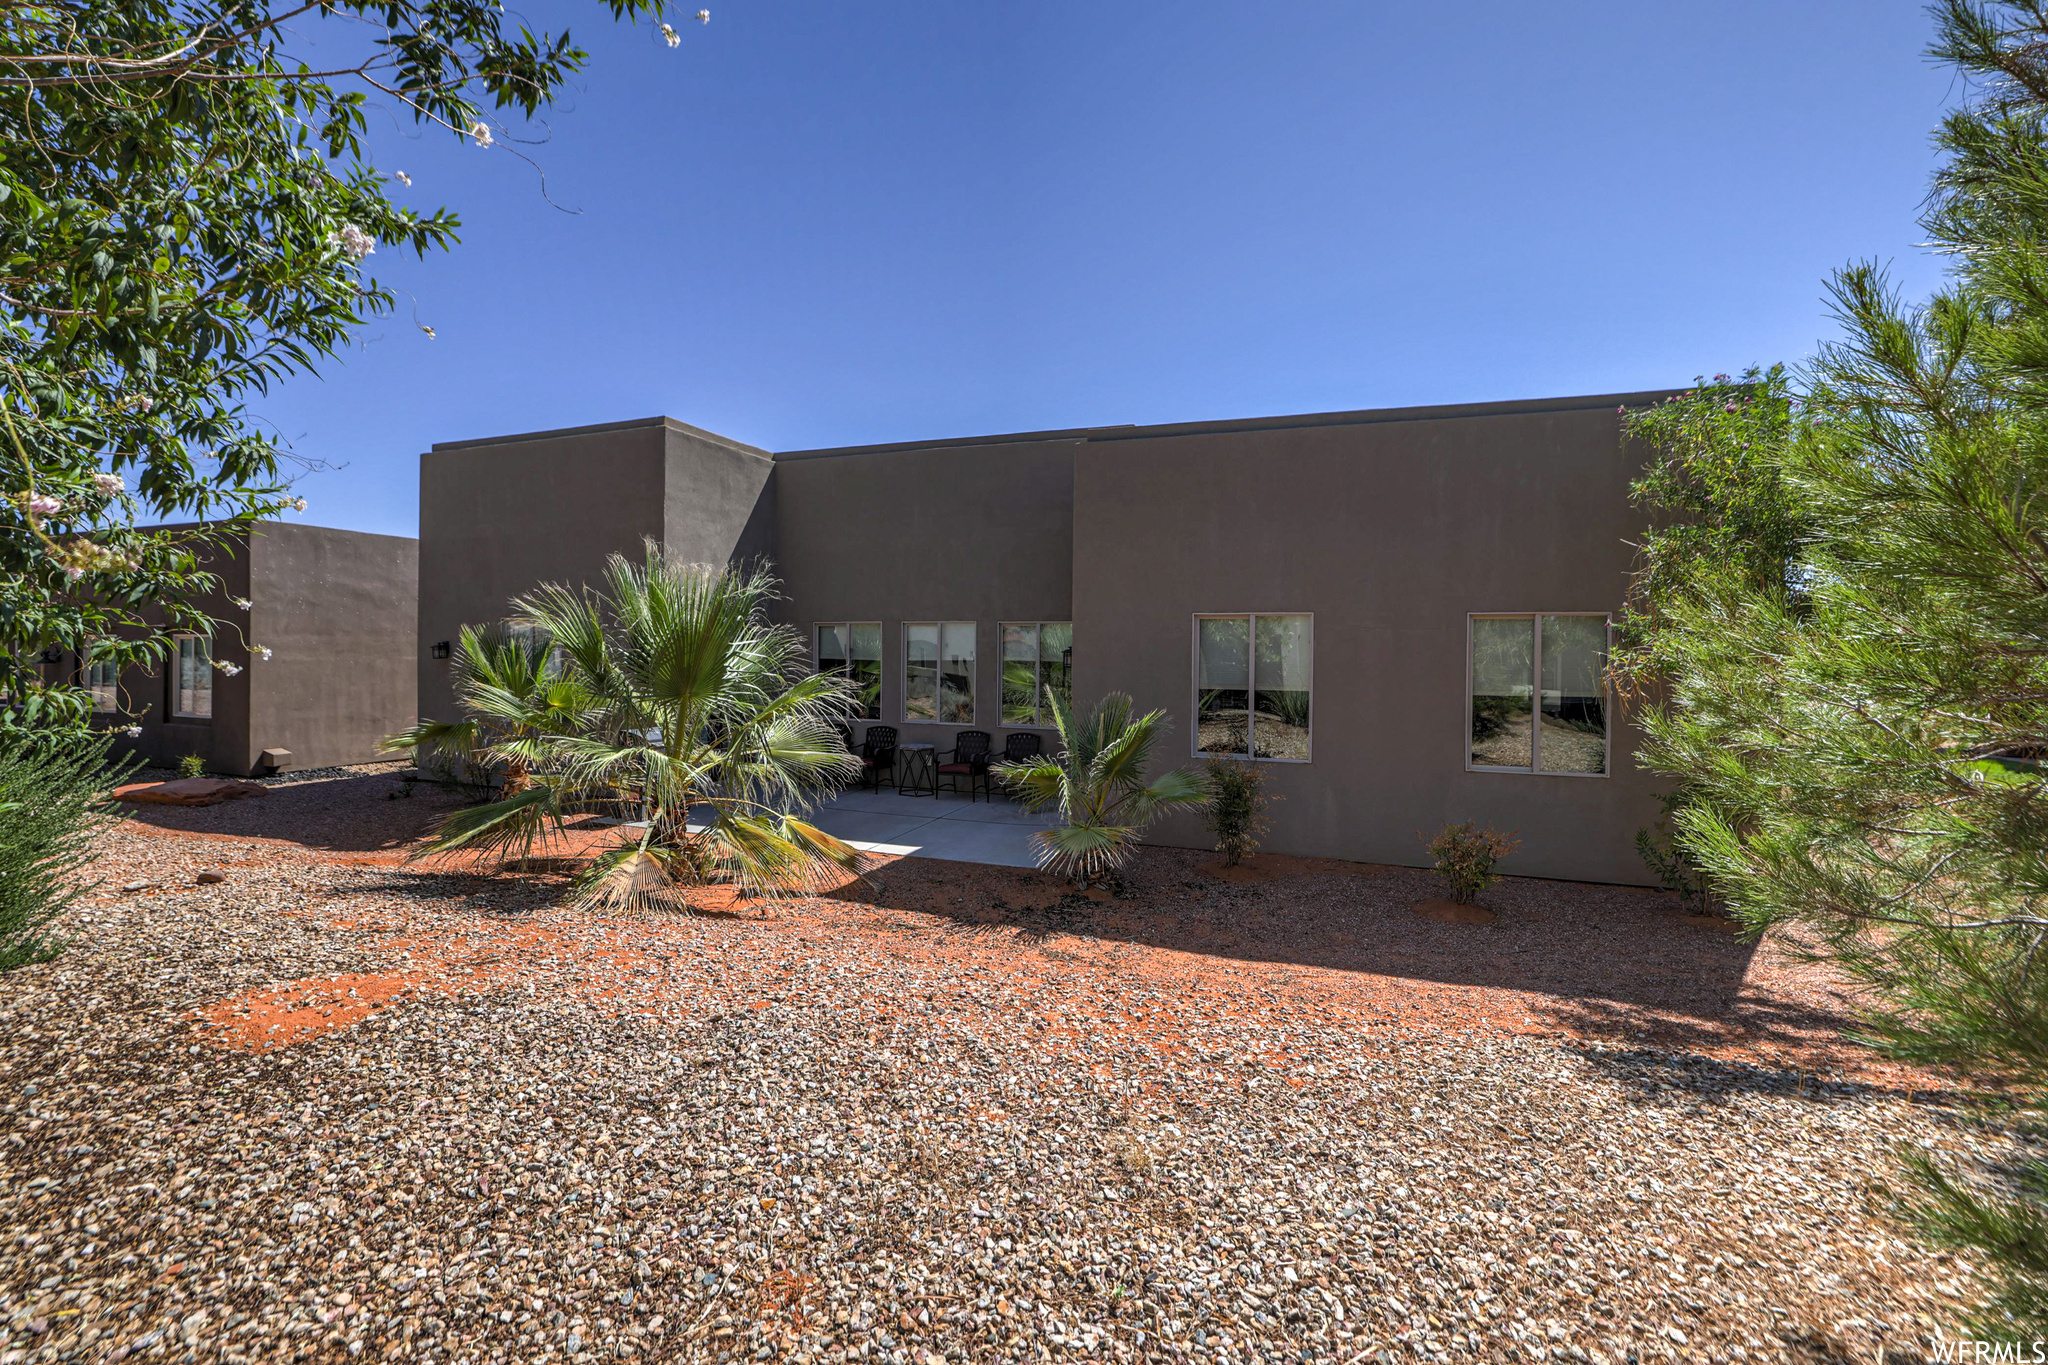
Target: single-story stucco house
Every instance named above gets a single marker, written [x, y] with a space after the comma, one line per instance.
[1404, 612]
[338, 613]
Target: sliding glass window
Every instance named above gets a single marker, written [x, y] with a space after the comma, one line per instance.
[853, 649]
[1538, 694]
[1252, 685]
[938, 672]
[1038, 661]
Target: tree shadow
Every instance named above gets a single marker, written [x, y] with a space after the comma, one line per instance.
[1605, 948]
[366, 813]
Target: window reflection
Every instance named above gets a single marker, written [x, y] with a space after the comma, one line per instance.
[1223, 680]
[1281, 678]
[1574, 717]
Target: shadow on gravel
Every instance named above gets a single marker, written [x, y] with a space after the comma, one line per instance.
[363, 814]
[1600, 948]
[1656, 1073]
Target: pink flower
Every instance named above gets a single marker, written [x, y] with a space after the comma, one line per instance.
[43, 505]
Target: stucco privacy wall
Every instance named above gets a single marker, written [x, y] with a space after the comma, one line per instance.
[974, 532]
[1390, 527]
[503, 515]
[334, 608]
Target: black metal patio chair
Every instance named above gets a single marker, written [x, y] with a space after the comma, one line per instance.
[877, 755]
[968, 758]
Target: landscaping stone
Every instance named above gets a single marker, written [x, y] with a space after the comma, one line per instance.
[189, 791]
[344, 1108]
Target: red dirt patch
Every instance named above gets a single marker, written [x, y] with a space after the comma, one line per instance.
[279, 1016]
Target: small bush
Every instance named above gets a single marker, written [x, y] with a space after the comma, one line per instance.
[191, 765]
[1465, 858]
[1236, 812]
[50, 808]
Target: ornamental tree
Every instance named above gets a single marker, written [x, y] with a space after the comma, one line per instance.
[188, 214]
[1844, 645]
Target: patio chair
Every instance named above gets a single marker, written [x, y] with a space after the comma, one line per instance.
[1022, 748]
[968, 758]
[877, 755]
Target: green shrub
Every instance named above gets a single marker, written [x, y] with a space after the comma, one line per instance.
[50, 808]
[1465, 858]
[191, 765]
[1236, 811]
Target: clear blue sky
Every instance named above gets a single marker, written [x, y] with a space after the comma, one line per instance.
[830, 223]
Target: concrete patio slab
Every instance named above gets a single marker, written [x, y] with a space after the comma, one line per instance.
[949, 828]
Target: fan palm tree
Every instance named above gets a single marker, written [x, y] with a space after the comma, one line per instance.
[1097, 782]
[511, 688]
[669, 689]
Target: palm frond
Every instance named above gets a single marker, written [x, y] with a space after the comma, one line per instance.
[629, 878]
[497, 827]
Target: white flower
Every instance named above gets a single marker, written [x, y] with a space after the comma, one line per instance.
[133, 732]
[480, 133]
[43, 505]
[227, 668]
[703, 16]
[299, 504]
[108, 483]
[261, 651]
[403, 178]
[241, 602]
[74, 572]
[353, 241]
[674, 38]
[428, 330]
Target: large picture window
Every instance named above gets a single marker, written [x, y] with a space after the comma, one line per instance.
[1252, 684]
[938, 672]
[1038, 661]
[853, 649]
[192, 686]
[1538, 694]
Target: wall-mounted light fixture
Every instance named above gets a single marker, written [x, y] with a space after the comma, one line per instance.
[440, 649]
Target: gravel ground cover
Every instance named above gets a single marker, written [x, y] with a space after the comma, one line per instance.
[331, 1107]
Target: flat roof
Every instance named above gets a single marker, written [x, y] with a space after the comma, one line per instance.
[1126, 431]
[1360, 417]
[597, 427]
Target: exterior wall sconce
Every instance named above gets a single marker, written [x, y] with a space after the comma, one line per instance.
[440, 649]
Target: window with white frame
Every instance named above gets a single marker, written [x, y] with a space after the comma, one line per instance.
[1038, 661]
[102, 679]
[192, 683]
[853, 649]
[1537, 692]
[938, 672]
[1252, 684]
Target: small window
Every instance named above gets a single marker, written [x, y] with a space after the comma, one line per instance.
[192, 687]
[102, 678]
[1252, 684]
[938, 672]
[854, 650]
[1538, 694]
[1038, 661]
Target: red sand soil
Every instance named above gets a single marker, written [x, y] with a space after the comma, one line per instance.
[1186, 950]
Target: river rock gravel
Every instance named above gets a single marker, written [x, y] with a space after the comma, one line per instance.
[334, 1108]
